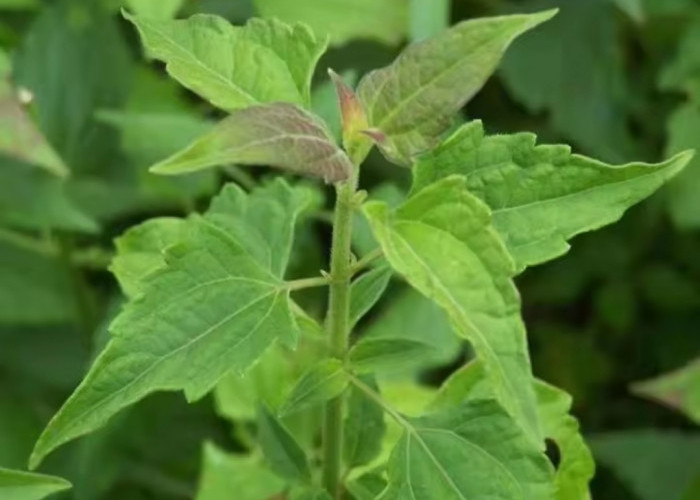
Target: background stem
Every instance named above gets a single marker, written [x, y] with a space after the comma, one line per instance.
[338, 329]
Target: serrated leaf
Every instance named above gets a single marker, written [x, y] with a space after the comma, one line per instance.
[654, 464]
[226, 476]
[343, 20]
[18, 485]
[141, 251]
[380, 354]
[541, 195]
[282, 453]
[366, 290]
[216, 306]
[413, 100]
[212, 58]
[322, 382]
[280, 135]
[679, 390]
[364, 426]
[474, 451]
[442, 241]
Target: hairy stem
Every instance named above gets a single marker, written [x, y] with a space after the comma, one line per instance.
[338, 329]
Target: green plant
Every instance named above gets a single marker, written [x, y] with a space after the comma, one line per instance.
[211, 306]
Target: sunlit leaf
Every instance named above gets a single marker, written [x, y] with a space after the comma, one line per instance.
[541, 195]
[17, 485]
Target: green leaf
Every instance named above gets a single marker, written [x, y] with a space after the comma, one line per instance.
[679, 390]
[310, 494]
[654, 464]
[162, 9]
[364, 426]
[280, 135]
[575, 54]
[428, 18]
[473, 451]
[17, 485]
[19, 4]
[141, 251]
[225, 476]
[19, 135]
[29, 278]
[212, 58]
[413, 100]
[324, 381]
[542, 195]
[282, 453]
[343, 20]
[682, 192]
[442, 241]
[370, 355]
[366, 290]
[367, 487]
[216, 306]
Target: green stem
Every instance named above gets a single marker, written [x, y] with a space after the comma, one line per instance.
[338, 329]
[301, 284]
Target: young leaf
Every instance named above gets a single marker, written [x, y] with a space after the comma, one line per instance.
[413, 100]
[324, 381]
[366, 290]
[343, 20]
[226, 476]
[217, 305]
[18, 485]
[212, 58]
[473, 451]
[141, 251]
[284, 456]
[280, 135]
[370, 355]
[353, 118]
[443, 242]
[541, 196]
[364, 426]
[679, 389]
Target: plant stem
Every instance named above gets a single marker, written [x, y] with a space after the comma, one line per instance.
[301, 284]
[338, 329]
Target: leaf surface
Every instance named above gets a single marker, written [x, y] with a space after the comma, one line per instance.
[18, 485]
[370, 355]
[541, 195]
[442, 241]
[413, 100]
[216, 306]
[283, 454]
[366, 290]
[212, 58]
[364, 426]
[280, 135]
[322, 382]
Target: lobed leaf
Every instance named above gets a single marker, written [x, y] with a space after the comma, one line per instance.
[473, 451]
[280, 135]
[324, 381]
[541, 196]
[412, 101]
[18, 485]
[213, 58]
[217, 305]
[442, 241]
[679, 390]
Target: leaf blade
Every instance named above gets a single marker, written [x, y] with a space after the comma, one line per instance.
[19, 485]
[322, 382]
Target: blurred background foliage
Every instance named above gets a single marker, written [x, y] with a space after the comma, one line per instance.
[619, 80]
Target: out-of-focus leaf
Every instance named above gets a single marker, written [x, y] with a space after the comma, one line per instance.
[633, 8]
[427, 18]
[541, 196]
[343, 20]
[442, 241]
[366, 290]
[380, 354]
[654, 464]
[364, 426]
[683, 129]
[159, 9]
[19, 4]
[573, 69]
[310, 494]
[211, 57]
[19, 424]
[227, 254]
[282, 453]
[681, 73]
[142, 250]
[413, 100]
[320, 383]
[679, 390]
[18, 485]
[226, 476]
